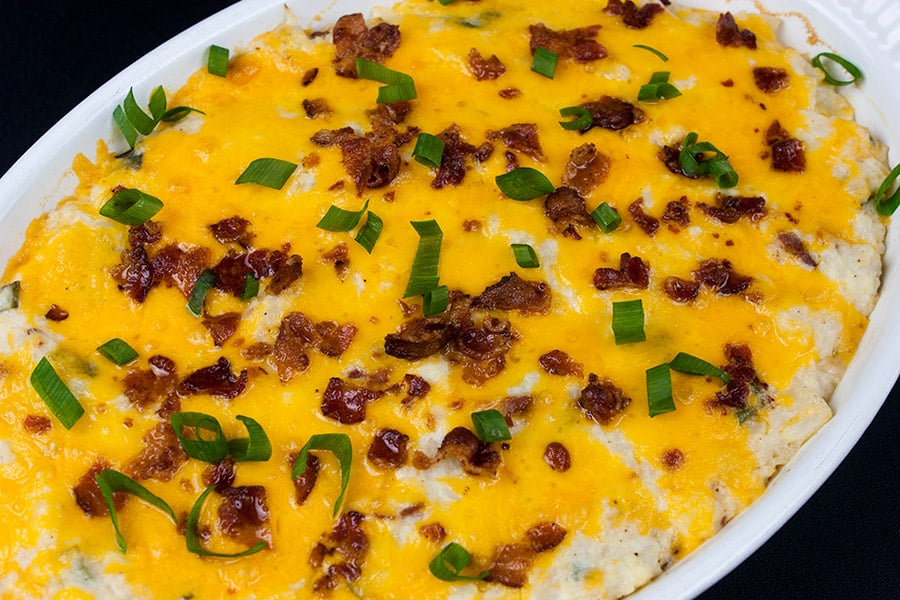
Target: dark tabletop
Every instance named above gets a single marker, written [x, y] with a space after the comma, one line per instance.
[844, 543]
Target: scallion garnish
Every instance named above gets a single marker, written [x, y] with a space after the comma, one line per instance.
[192, 534]
[435, 300]
[255, 447]
[9, 296]
[525, 256]
[694, 164]
[687, 363]
[202, 286]
[54, 392]
[659, 390]
[128, 131]
[338, 219]
[400, 86]
[524, 183]
[117, 351]
[652, 50]
[429, 150]
[628, 322]
[582, 120]
[423, 275]
[111, 481]
[606, 217]
[490, 425]
[131, 120]
[887, 206]
[251, 287]
[544, 62]
[202, 427]
[178, 113]
[658, 88]
[851, 69]
[448, 565]
[270, 172]
[339, 445]
[131, 207]
[369, 233]
[217, 64]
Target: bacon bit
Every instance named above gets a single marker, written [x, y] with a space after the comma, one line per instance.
[475, 456]
[677, 212]
[352, 38]
[220, 475]
[88, 495]
[311, 160]
[144, 388]
[433, 532]
[516, 405]
[349, 541]
[231, 272]
[557, 362]
[732, 208]
[728, 33]
[727, 83]
[256, 351]
[388, 449]
[233, 229]
[521, 137]
[788, 154]
[511, 564]
[633, 272]
[794, 246]
[316, 107]
[681, 290]
[481, 68]
[416, 387]
[586, 169]
[613, 114]
[770, 79]
[55, 313]
[514, 293]
[296, 334]
[453, 162]
[222, 327]
[602, 401]
[339, 256]
[346, 403]
[744, 379]
[420, 338]
[483, 152]
[334, 338]
[309, 76]
[673, 459]
[632, 16]
[37, 424]
[721, 278]
[244, 515]
[178, 267]
[149, 233]
[161, 456]
[649, 224]
[216, 380]
[577, 44]
[509, 93]
[557, 456]
[669, 157]
[134, 274]
[566, 208]
[546, 535]
[512, 161]
[285, 274]
[470, 225]
[305, 481]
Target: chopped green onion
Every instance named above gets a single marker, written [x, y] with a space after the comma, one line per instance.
[256, 447]
[652, 50]
[178, 113]
[338, 219]
[582, 121]
[658, 88]
[628, 322]
[716, 165]
[524, 183]
[110, 481]
[851, 69]
[217, 64]
[429, 150]
[887, 206]
[251, 287]
[131, 207]
[56, 394]
[207, 450]
[525, 256]
[369, 233]
[131, 120]
[128, 131]
[270, 172]
[448, 565]
[141, 121]
[339, 445]
[435, 300]
[743, 415]
[490, 425]
[544, 62]
[192, 535]
[659, 390]
[118, 351]
[606, 217]
[423, 276]
[9, 296]
[445, 2]
[400, 86]
[202, 286]
[687, 363]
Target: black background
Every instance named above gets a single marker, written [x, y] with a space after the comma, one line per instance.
[844, 543]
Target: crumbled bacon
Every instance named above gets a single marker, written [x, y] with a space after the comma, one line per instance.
[612, 113]
[353, 39]
[334, 338]
[516, 405]
[316, 107]
[514, 293]
[134, 274]
[743, 380]
[557, 456]
[309, 76]
[794, 246]
[339, 256]
[306, 480]
[578, 44]
[475, 456]
[602, 401]
[673, 459]
[244, 514]
[232, 270]
[285, 274]
[482, 349]
[221, 327]
[586, 169]
[557, 362]
[233, 229]
[632, 16]
[669, 155]
[88, 496]
[728, 33]
[633, 272]
[297, 334]
[350, 543]
[511, 564]
[161, 456]
[388, 449]
[521, 137]
[721, 277]
[681, 290]
[566, 208]
[346, 403]
[433, 532]
[216, 380]
[731, 208]
[416, 387]
[648, 224]
[219, 475]
[546, 535]
[509, 93]
[179, 267]
[37, 424]
[484, 68]
[788, 154]
[55, 313]
[145, 387]
[677, 212]
[770, 79]
[453, 161]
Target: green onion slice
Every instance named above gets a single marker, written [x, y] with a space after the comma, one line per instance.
[606, 217]
[490, 425]
[9, 295]
[131, 207]
[435, 301]
[117, 351]
[128, 131]
[658, 88]
[717, 165]
[270, 172]
[429, 150]
[524, 183]
[192, 536]
[251, 287]
[338, 219]
[256, 447]
[202, 286]
[851, 69]
[652, 50]
[448, 565]
[339, 445]
[217, 63]
[178, 113]
[687, 363]
[54, 392]
[140, 120]
[203, 426]
[628, 322]
[369, 233]
[582, 120]
[525, 256]
[659, 390]
[111, 481]
[887, 206]
[400, 86]
[423, 275]
[544, 62]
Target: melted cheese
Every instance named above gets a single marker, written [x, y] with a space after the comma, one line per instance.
[626, 515]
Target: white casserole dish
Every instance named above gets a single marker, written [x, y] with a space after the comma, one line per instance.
[861, 30]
